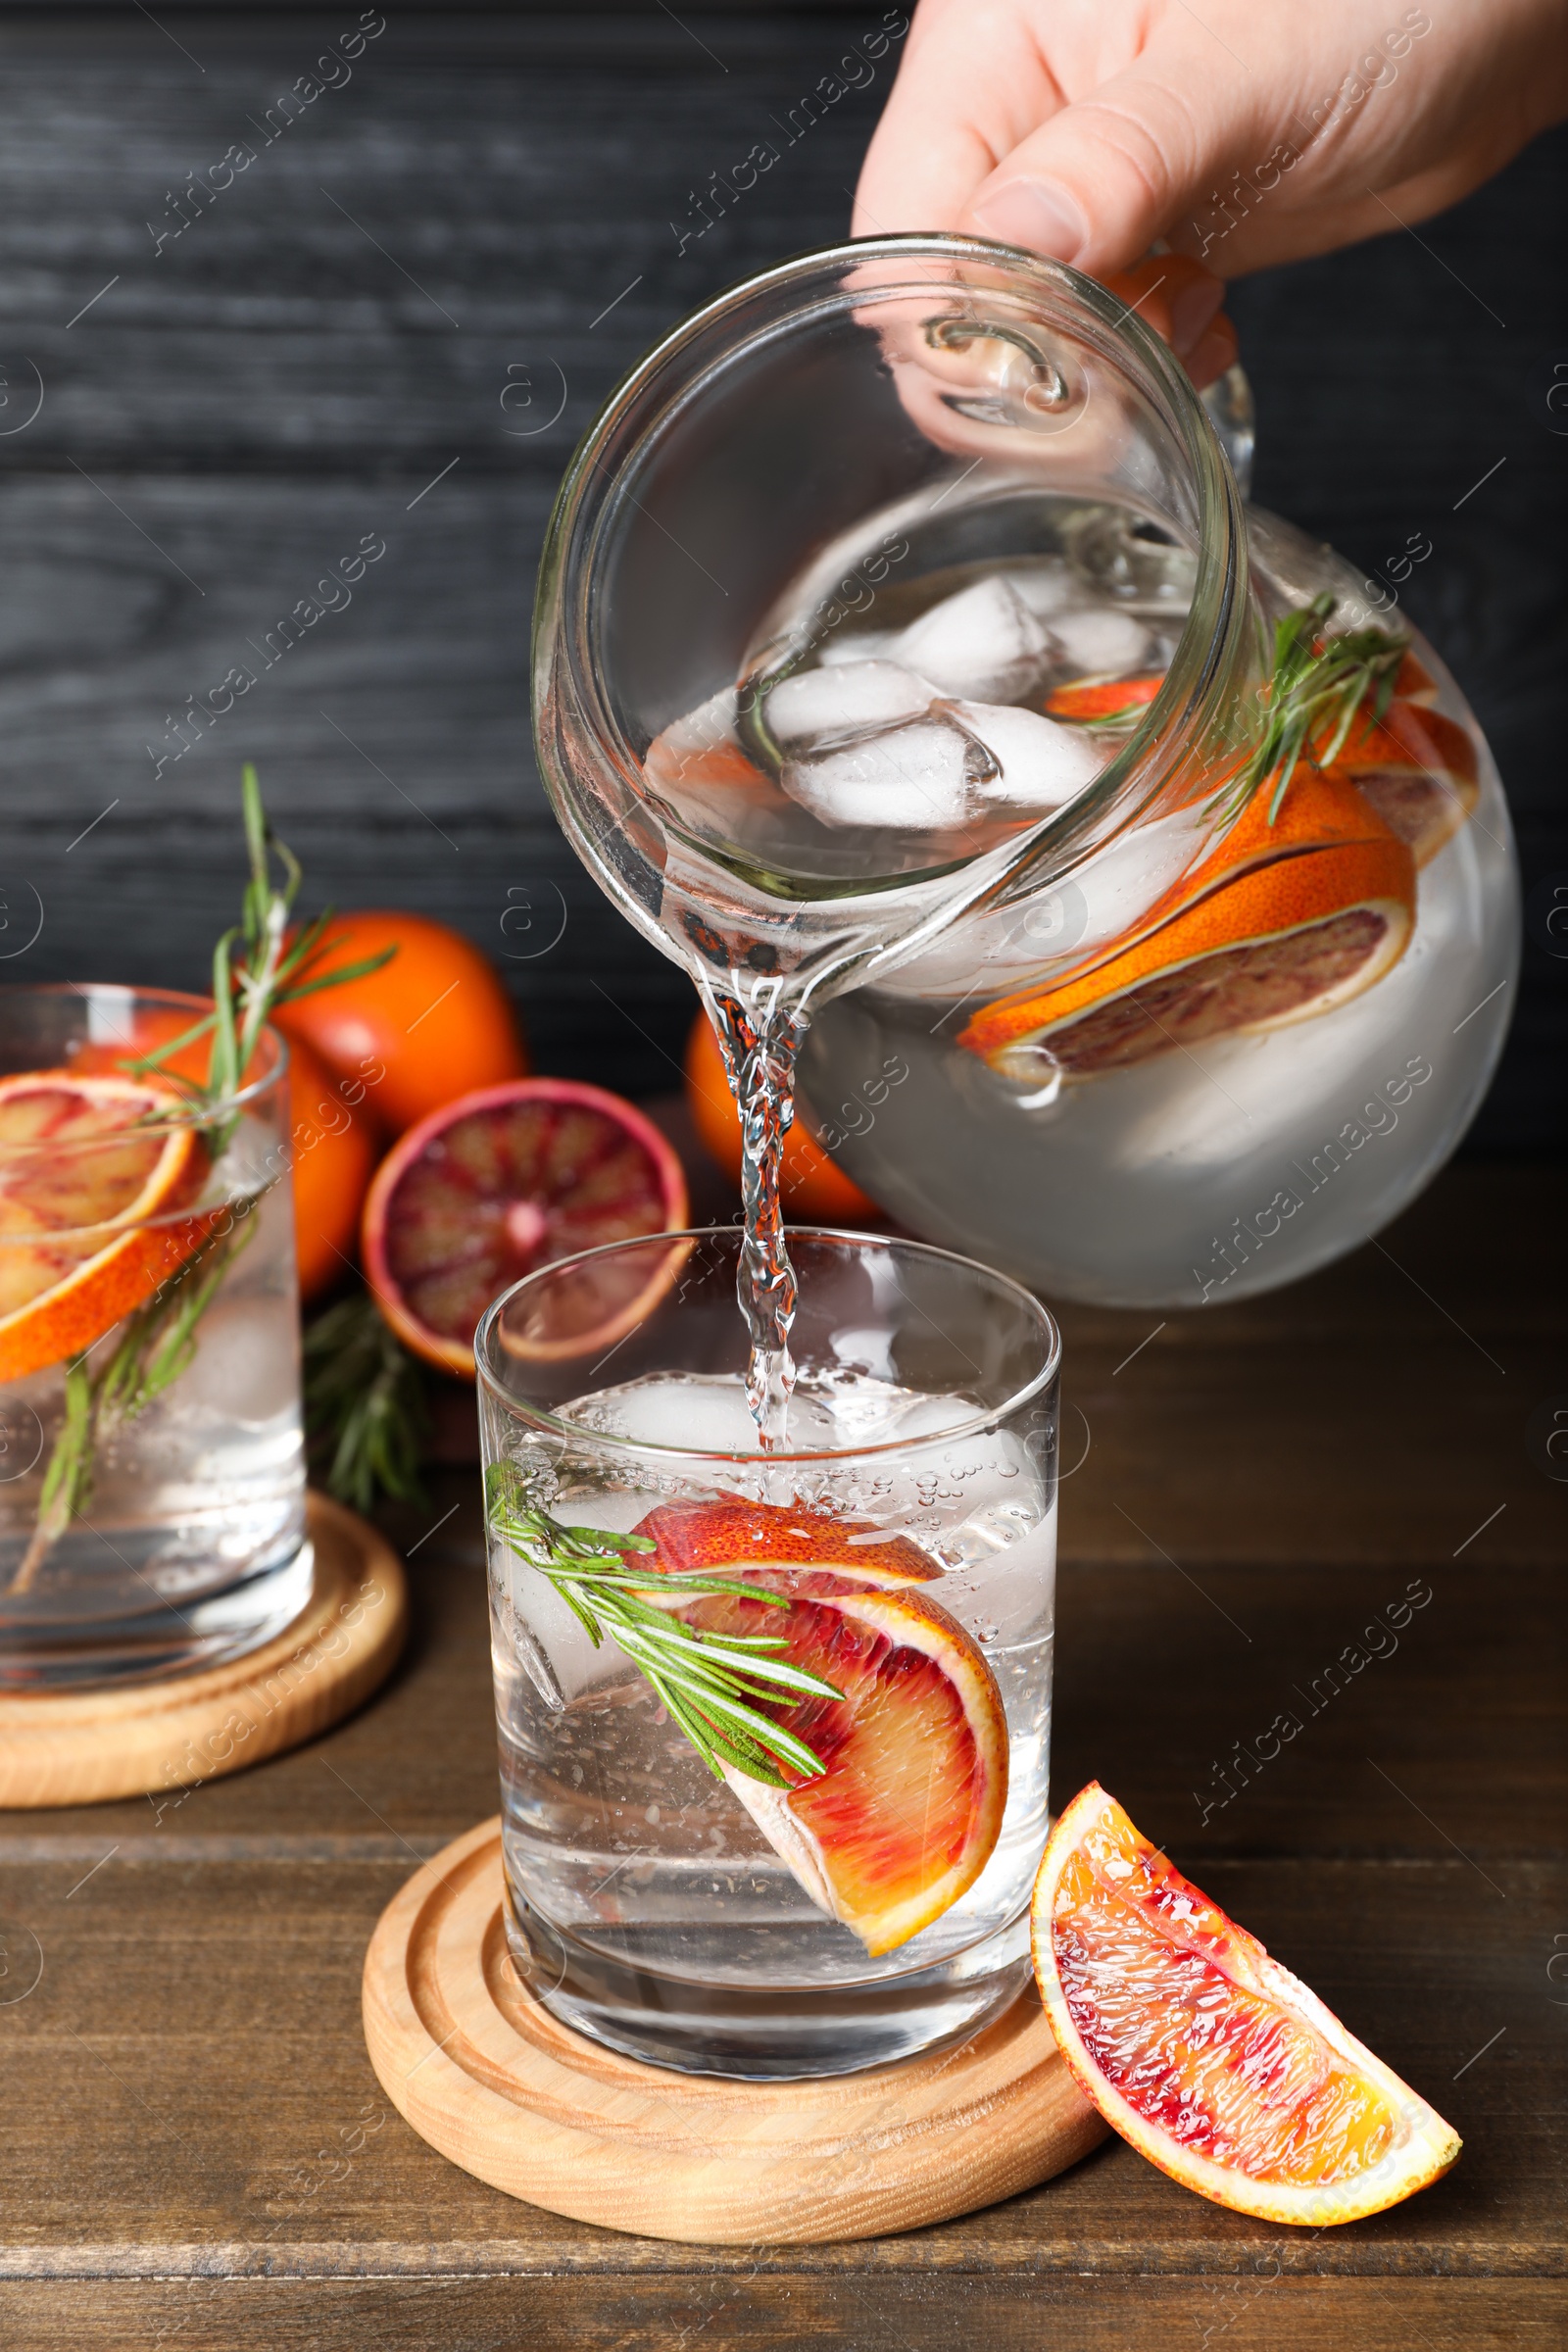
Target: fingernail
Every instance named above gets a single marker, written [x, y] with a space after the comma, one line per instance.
[1037, 214]
[1191, 310]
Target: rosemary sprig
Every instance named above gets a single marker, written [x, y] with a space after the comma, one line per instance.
[1318, 686]
[364, 1405]
[256, 968]
[271, 970]
[708, 1682]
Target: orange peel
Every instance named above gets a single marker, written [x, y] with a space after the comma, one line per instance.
[91, 1167]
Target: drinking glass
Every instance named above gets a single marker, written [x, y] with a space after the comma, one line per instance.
[903, 1540]
[152, 1471]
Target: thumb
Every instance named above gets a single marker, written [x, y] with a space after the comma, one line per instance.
[1099, 182]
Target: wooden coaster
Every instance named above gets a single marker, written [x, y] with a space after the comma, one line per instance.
[81, 1747]
[488, 2076]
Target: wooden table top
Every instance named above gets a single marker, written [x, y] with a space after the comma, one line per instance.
[198, 2150]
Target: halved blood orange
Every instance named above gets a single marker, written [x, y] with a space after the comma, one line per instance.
[503, 1181]
[1214, 2061]
[86, 1163]
[909, 1807]
[1418, 769]
[1279, 922]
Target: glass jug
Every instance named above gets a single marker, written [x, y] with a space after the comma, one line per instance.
[908, 667]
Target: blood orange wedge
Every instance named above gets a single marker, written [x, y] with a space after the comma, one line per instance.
[1215, 2062]
[1418, 769]
[85, 1162]
[906, 1815]
[505, 1180]
[1278, 923]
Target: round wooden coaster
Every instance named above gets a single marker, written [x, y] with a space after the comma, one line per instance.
[489, 2077]
[81, 1747]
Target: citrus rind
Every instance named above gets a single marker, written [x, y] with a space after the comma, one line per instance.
[129, 1253]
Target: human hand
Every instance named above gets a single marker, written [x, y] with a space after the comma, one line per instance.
[1251, 132]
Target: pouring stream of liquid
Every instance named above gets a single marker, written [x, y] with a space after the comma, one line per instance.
[760, 1043]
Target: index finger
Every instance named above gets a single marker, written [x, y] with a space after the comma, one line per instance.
[965, 96]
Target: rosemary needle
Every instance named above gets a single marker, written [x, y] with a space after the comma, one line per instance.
[1319, 684]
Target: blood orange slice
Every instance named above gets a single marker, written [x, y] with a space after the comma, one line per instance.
[1413, 682]
[1103, 698]
[1282, 922]
[735, 1536]
[699, 752]
[503, 1181]
[1418, 769]
[1215, 2062]
[86, 1163]
[907, 1814]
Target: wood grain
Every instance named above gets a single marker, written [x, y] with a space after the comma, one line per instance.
[482, 2071]
[166, 1737]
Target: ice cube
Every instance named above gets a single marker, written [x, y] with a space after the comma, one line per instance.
[916, 779]
[684, 749]
[1046, 587]
[247, 1363]
[674, 1410]
[984, 643]
[1122, 881]
[860, 645]
[843, 700]
[1043, 764]
[1099, 644]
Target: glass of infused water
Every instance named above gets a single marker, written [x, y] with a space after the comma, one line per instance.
[774, 1719]
[152, 1471]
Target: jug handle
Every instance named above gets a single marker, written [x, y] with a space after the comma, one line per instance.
[1229, 402]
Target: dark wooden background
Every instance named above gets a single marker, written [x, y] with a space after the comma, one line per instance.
[233, 412]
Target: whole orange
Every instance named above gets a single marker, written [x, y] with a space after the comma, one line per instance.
[812, 1186]
[334, 1157]
[434, 1023]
